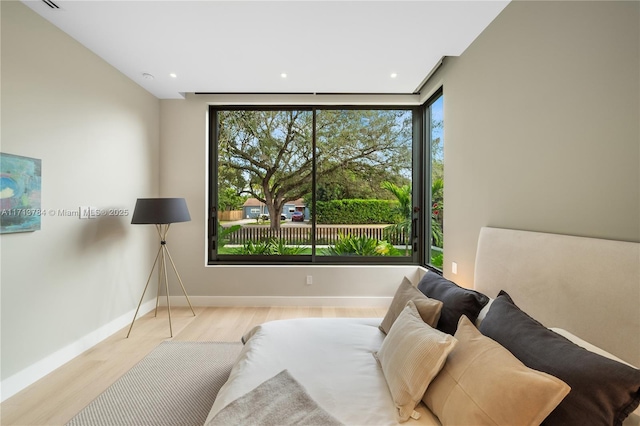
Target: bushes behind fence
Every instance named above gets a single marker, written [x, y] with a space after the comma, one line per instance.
[355, 212]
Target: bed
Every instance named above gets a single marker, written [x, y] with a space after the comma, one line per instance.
[475, 363]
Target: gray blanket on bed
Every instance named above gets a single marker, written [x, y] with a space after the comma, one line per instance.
[280, 401]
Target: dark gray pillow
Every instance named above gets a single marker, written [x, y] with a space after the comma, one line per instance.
[603, 391]
[456, 301]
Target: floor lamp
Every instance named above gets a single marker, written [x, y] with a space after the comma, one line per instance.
[161, 212]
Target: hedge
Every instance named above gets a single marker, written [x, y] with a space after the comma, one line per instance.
[354, 211]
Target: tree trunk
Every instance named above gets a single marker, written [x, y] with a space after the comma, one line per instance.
[274, 215]
[273, 205]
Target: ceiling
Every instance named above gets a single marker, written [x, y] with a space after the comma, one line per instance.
[246, 46]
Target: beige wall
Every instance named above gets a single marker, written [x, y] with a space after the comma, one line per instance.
[97, 134]
[542, 126]
[184, 164]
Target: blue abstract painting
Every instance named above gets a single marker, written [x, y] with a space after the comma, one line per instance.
[20, 180]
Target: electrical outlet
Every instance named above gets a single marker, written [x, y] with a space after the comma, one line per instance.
[454, 268]
[309, 279]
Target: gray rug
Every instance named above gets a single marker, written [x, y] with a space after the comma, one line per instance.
[175, 385]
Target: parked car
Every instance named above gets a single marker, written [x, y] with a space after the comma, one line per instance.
[297, 217]
[265, 216]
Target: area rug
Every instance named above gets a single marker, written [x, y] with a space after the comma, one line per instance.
[175, 385]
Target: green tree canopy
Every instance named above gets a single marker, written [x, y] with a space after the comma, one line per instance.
[269, 153]
[229, 199]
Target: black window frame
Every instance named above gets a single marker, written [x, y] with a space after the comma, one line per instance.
[421, 238]
[427, 159]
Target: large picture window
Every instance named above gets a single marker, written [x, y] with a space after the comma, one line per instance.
[317, 185]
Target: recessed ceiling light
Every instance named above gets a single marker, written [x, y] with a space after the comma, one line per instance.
[394, 75]
[147, 76]
[173, 75]
[283, 75]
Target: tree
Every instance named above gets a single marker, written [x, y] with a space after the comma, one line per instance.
[437, 151]
[364, 183]
[359, 149]
[403, 195]
[437, 206]
[437, 183]
[229, 199]
[270, 152]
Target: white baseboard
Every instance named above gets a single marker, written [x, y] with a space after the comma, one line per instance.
[340, 301]
[14, 384]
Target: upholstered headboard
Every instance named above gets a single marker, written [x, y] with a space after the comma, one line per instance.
[588, 286]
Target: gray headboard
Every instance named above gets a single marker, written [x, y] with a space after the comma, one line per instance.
[588, 286]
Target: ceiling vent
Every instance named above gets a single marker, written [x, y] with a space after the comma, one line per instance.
[51, 4]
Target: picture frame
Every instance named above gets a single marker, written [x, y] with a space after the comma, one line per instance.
[20, 193]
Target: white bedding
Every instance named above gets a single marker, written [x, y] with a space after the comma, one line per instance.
[345, 380]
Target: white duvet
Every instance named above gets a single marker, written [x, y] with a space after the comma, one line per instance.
[331, 357]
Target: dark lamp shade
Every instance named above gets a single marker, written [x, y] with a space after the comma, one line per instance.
[160, 211]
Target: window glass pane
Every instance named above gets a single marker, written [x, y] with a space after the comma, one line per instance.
[265, 159]
[363, 182]
[271, 190]
[436, 125]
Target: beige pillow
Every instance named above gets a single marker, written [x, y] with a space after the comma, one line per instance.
[410, 356]
[482, 383]
[429, 309]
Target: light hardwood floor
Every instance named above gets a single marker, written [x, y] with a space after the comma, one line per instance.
[57, 397]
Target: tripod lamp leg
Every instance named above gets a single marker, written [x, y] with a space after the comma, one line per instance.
[166, 284]
[179, 280]
[144, 291]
